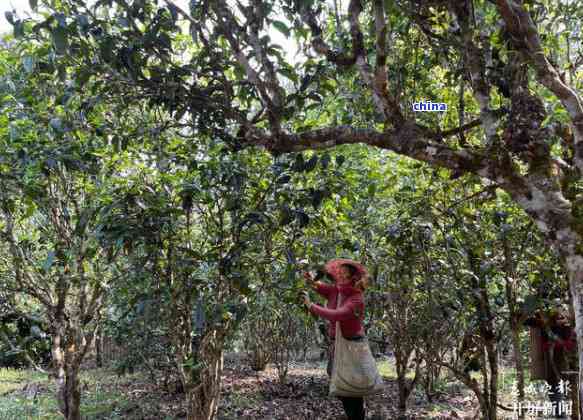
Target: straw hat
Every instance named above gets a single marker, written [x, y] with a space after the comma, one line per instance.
[332, 268]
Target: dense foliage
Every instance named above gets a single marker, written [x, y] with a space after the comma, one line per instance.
[163, 181]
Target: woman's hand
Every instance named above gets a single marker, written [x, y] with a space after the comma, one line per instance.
[306, 299]
[310, 281]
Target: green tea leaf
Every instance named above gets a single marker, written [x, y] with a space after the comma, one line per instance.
[60, 40]
[281, 27]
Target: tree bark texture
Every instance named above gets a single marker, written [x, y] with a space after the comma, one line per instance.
[66, 374]
[204, 396]
[514, 318]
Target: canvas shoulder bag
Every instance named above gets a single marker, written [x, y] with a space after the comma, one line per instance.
[354, 371]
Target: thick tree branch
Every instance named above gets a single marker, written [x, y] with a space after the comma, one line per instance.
[381, 34]
[526, 38]
[277, 92]
[376, 80]
[380, 84]
[228, 26]
[409, 140]
[385, 105]
[321, 47]
[474, 61]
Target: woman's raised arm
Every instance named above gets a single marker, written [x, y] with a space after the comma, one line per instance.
[350, 310]
[320, 288]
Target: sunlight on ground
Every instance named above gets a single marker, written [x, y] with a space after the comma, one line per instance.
[387, 369]
[97, 399]
[11, 379]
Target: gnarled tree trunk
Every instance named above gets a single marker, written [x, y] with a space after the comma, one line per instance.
[67, 381]
[514, 318]
[574, 263]
[405, 386]
[69, 346]
[203, 393]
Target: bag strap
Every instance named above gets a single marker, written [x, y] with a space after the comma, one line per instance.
[357, 338]
[338, 327]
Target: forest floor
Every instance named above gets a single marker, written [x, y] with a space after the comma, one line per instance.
[245, 395]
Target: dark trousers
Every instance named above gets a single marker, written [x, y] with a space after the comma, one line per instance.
[555, 366]
[353, 406]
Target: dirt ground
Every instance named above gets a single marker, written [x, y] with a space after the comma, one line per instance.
[246, 395]
[260, 395]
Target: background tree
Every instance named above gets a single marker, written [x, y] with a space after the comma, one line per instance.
[53, 193]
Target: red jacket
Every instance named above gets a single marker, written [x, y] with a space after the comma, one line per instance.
[559, 344]
[350, 314]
